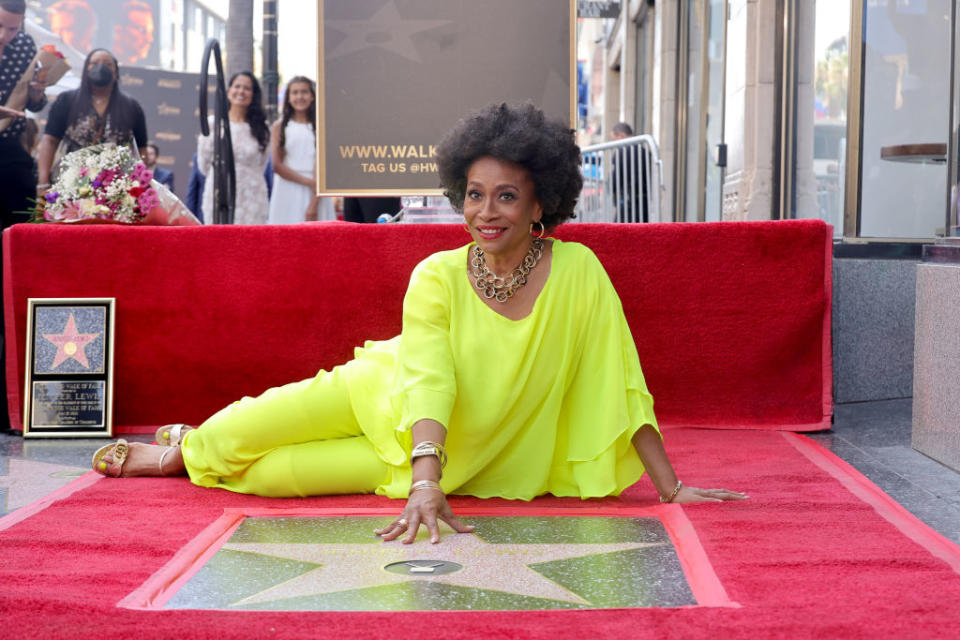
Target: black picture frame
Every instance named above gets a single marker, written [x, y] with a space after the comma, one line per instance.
[68, 390]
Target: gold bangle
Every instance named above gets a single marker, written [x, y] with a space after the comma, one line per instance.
[673, 495]
[429, 448]
[425, 484]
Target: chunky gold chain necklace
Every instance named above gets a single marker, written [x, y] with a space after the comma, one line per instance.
[502, 289]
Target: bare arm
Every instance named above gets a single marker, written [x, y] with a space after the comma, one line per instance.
[45, 153]
[649, 447]
[7, 112]
[311, 214]
[279, 167]
[425, 506]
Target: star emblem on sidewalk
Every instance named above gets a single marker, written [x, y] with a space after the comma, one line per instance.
[498, 567]
[509, 563]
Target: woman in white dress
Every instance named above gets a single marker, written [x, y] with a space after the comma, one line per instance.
[294, 151]
[250, 137]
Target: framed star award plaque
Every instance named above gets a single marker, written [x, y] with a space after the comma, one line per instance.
[69, 368]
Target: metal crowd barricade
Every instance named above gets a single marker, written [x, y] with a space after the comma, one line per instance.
[622, 181]
[424, 209]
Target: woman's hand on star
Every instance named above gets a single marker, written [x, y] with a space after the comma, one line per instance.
[426, 507]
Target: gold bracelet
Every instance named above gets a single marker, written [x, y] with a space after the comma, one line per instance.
[673, 495]
[429, 448]
[425, 484]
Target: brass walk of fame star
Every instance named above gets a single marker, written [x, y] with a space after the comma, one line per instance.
[497, 567]
[384, 29]
[70, 344]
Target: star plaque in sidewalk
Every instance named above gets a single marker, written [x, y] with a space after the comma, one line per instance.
[510, 563]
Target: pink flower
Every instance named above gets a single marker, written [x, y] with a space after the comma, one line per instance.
[71, 212]
[107, 176]
[141, 174]
[147, 201]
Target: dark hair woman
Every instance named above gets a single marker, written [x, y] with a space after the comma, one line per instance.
[294, 154]
[250, 137]
[95, 113]
[515, 365]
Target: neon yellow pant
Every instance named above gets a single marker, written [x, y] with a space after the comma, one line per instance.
[301, 439]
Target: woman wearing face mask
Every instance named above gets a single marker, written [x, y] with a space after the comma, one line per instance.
[95, 113]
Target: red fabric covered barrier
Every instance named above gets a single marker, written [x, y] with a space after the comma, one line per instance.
[732, 320]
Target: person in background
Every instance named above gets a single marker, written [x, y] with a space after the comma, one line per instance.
[98, 112]
[194, 199]
[294, 154]
[151, 153]
[30, 138]
[369, 209]
[17, 177]
[625, 177]
[250, 137]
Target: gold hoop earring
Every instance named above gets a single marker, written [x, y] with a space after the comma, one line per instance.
[543, 229]
[466, 227]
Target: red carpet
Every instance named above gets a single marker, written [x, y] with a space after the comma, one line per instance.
[816, 552]
[720, 312]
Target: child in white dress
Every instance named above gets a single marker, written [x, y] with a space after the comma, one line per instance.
[294, 153]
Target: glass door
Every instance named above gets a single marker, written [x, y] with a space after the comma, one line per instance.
[700, 110]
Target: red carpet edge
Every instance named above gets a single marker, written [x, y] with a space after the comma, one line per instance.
[889, 509]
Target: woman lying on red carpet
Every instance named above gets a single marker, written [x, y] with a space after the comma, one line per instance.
[515, 363]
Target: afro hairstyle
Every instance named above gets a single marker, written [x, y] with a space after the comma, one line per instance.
[523, 135]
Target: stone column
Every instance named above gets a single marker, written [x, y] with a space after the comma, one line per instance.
[936, 380]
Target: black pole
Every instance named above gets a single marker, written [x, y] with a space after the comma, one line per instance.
[223, 172]
[271, 76]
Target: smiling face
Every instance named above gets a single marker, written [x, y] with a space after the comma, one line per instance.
[10, 24]
[499, 207]
[240, 93]
[300, 96]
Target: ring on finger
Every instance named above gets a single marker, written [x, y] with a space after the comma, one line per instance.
[402, 522]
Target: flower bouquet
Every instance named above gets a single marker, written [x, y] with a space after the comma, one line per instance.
[50, 65]
[105, 183]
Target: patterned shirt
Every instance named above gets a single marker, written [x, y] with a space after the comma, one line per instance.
[17, 56]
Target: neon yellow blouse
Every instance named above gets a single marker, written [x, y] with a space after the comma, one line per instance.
[546, 404]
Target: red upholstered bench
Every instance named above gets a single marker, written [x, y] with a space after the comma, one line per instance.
[732, 320]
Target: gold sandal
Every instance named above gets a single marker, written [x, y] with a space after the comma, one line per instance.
[171, 435]
[118, 450]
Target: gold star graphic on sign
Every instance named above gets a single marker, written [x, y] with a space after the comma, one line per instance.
[495, 567]
[384, 29]
[70, 344]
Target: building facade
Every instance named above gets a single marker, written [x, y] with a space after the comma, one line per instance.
[842, 110]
